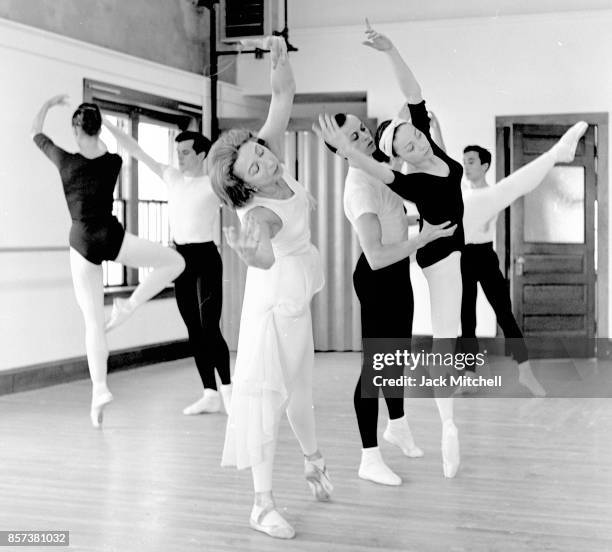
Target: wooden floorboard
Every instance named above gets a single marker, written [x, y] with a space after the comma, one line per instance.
[536, 474]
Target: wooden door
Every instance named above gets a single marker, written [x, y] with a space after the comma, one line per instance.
[552, 247]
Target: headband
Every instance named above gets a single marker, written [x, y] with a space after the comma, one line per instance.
[386, 140]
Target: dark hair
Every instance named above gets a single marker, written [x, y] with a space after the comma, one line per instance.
[340, 118]
[483, 154]
[200, 142]
[88, 117]
[229, 188]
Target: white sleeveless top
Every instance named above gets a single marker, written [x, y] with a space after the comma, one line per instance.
[294, 237]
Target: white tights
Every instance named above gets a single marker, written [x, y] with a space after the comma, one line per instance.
[89, 291]
[300, 413]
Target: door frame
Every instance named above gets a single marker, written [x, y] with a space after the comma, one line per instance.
[503, 140]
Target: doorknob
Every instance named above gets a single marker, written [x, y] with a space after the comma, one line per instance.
[519, 263]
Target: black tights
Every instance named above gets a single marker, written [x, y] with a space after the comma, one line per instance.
[387, 308]
[199, 296]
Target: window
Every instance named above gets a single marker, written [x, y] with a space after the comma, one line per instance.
[141, 203]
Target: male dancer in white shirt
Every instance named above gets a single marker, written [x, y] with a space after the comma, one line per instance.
[193, 208]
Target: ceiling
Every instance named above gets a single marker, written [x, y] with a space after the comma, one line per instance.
[332, 13]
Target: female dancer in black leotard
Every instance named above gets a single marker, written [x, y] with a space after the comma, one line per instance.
[433, 183]
[88, 178]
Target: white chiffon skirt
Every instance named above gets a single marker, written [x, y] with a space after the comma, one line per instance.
[275, 341]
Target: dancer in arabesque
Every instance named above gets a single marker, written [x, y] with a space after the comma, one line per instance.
[88, 178]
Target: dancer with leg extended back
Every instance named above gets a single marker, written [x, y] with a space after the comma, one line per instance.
[479, 263]
[433, 183]
[275, 354]
[193, 209]
[88, 178]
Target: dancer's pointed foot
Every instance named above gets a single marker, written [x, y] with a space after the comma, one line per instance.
[209, 403]
[398, 433]
[467, 389]
[373, 468]
[122, 310]
[528, 379]
[565, 148]
[317, 477]
[267, 520]
[450, 449]
[99, 399]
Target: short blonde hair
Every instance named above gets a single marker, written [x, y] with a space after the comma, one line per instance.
[229, 188]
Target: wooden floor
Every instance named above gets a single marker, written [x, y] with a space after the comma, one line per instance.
[536, 474]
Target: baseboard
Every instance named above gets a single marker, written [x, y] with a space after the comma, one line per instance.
[42, 375]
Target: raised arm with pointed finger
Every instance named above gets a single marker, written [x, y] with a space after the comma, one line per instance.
[407, 81]
[283, 91]
[133, 148]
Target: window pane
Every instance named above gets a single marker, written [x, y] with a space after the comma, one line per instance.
[554, 212]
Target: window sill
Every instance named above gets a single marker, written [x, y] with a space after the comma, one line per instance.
[125, 291]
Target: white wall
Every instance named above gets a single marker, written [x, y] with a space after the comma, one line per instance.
[39, 318]
[470, 70]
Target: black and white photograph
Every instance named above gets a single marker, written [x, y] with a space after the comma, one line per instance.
[305, 275]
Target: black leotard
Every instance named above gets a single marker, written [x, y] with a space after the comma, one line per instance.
[438, 198]
[88, 186]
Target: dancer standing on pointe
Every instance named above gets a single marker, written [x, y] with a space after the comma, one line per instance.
[433, 183]
[88, 178]
[381, 278]
[479, 263]
[193, 209]
[275, 354]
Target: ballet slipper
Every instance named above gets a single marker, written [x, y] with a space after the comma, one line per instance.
[318, 479]
[98, 402]
[208, 404]
[565, 149]
[450, 449]
[373, 468]
[528, 380]
[269, 521]
[402, 437]
[122, 310]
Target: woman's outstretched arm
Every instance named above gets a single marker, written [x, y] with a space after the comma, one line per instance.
[283, 91]
[410, 87]
[329, 131]
[39, 120]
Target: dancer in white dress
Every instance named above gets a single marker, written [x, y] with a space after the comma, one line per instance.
[275, 355]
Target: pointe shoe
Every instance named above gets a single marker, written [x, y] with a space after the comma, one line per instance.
[450, 449]
[120, 312]
[565, 148]
[402, 439]
[270, 522]
[318, 480]
[97, 407]
[528, 380]
[208, 404]
[373, 468]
